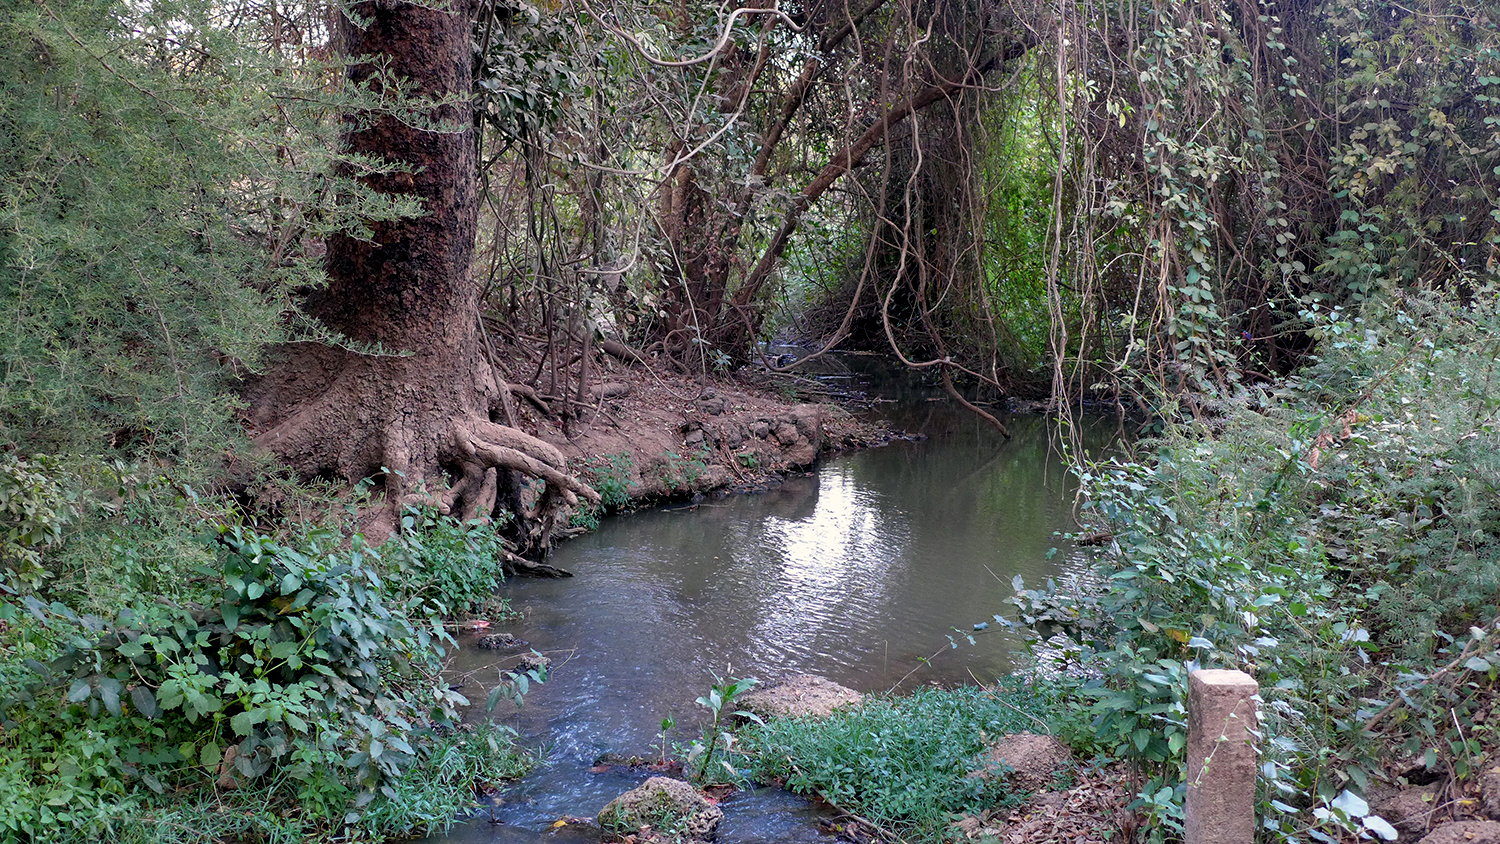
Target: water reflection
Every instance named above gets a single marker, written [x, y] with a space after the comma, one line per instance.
[859, 572]
[833, 564]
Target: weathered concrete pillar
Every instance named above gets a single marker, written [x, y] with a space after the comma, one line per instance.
[1221, 757]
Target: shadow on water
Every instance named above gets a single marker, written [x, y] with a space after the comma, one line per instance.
[858, 572]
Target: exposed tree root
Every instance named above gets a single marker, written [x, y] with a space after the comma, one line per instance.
[502, 447]
[621, 351]
[959, 397]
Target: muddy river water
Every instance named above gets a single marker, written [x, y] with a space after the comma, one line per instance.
[858, 571]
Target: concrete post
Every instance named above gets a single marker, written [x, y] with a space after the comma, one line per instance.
[1221, 757]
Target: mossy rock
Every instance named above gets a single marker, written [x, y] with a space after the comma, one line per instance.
[667, 806]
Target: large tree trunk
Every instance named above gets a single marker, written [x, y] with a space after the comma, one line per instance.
[412, 407]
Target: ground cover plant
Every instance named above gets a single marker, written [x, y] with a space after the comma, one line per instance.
[902, 762]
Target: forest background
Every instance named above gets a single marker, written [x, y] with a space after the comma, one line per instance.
[1271, 232]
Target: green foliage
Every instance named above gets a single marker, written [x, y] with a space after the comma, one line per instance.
[35, 506]
[609, 475]
[677, 472]
[1323, 151]
[1339, 537]
[428, 799]
[587, 516]
[121, 272]
[436, 565]
[717, 738]
[138, 542]
[524, 71]
[1418, 166]
[161, 178]
[1017, 170]
[667, 724]
[301, 678]
[436, 790]
[902, 762]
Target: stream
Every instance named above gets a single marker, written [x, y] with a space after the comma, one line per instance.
[858, 571]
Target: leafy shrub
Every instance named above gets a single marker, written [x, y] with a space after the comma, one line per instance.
[679, 473]
[902, 762]
[718, 740]
[140, 541]
[302, 679]
[1340, 538]
[34, 508]
[441, 566]
[609, 475]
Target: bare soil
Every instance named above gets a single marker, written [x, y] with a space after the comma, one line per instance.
[644, 433]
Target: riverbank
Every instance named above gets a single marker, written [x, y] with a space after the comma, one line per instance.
[857, 572]
[643, 432]
[1335, 539]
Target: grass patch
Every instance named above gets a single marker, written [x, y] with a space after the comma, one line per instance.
[425, 800]
[902, 762]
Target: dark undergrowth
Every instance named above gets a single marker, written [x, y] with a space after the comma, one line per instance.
[167, 682]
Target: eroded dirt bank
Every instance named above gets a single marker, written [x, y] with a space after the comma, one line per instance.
[640, 433]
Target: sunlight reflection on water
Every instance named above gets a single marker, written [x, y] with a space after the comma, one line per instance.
[859, 572]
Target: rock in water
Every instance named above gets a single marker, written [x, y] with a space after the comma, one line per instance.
[667, 806]
[501, 642]
[533, 661]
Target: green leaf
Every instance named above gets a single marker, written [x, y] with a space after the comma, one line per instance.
[79, 691]
[494, 697]
[231, 614]
[242, 723]
[109, 692]
[245, 762]
[144, 702]
[210, 756]
[131, 650]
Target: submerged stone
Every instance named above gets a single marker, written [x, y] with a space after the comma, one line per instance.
[500, 642]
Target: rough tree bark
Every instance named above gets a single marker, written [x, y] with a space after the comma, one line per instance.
[419, 414]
